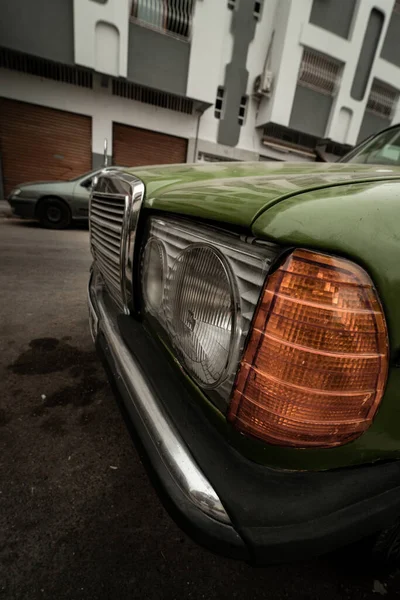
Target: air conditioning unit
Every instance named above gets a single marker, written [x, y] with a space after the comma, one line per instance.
[263, 84]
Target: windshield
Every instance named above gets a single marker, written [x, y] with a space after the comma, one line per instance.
[381, 149]
[88, 174]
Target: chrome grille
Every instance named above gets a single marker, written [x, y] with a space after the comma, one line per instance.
[106, 222]
[115, 205]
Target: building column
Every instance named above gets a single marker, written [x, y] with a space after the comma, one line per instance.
[102, 125]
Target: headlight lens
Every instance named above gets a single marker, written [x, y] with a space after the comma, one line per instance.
[201, 312]
[15, 192]
[154, 271]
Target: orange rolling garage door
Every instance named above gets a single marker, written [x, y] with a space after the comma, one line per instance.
[39, 143]
[135, 147]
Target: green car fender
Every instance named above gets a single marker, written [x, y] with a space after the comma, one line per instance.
[360, 222]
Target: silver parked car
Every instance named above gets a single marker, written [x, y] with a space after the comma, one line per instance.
[54, 203]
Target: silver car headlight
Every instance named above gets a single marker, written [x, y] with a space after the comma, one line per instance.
[155, 271]
[202, 285]
[201, 309]
[15, 192]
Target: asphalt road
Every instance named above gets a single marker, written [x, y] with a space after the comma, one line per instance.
[78, 517]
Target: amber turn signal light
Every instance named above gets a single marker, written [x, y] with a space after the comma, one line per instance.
[315, 365]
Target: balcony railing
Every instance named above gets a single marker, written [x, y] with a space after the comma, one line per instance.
[382, 99]
[172, 17]
[319, 72]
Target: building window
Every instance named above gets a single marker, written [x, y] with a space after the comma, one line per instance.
[390, 48]
[382, 99]
[258, 4]
[319, 72]
[173, 17]
[219, 102]
[336, 16]
[242, 110]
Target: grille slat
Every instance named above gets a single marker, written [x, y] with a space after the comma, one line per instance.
[102, 213]
[110, 234]
[103, 243]
[106, 224]
[105, 269]
[108, 240]
[102, 203]
[110, 256]
[106, 217]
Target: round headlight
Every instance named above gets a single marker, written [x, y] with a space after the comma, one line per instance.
[201, 311]
[154, 262]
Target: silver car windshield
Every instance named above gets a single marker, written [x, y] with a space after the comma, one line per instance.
[381, 149]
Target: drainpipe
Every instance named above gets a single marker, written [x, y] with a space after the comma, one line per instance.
[200, 112]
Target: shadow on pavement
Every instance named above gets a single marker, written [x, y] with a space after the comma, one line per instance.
[30, 224]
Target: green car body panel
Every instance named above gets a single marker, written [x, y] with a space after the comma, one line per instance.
[360, 222]
[343, 209]
[236, 193]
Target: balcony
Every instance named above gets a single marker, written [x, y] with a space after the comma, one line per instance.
[170, 17]
[159, 44]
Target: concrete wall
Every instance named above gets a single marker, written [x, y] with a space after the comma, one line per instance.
[210, 49]
[243, 26]
[211, 31]
[250, 136]
[101, 35]
[43, 28]
[157, 60]
[290, 17]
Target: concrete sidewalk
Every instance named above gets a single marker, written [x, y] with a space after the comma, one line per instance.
[5, 210]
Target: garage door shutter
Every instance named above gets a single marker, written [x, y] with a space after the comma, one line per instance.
[134, 147]
[39, 143]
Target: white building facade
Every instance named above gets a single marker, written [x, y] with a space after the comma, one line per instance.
[188, 80]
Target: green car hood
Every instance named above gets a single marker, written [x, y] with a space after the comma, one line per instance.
[237, 193]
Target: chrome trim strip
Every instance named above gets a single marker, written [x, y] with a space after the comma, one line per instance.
[124, 236]
[166, 439]
[93, 318]
[132, 219]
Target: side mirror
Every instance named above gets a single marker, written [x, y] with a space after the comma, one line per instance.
[87, 183]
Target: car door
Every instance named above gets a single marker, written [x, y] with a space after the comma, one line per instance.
[81, 197]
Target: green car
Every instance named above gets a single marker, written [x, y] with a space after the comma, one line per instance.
[54, 203]
[248, 316]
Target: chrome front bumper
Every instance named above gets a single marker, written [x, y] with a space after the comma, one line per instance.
[169, 445]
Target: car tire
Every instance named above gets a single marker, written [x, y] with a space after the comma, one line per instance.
[53, 213]
[385, 551]
[379, 554]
